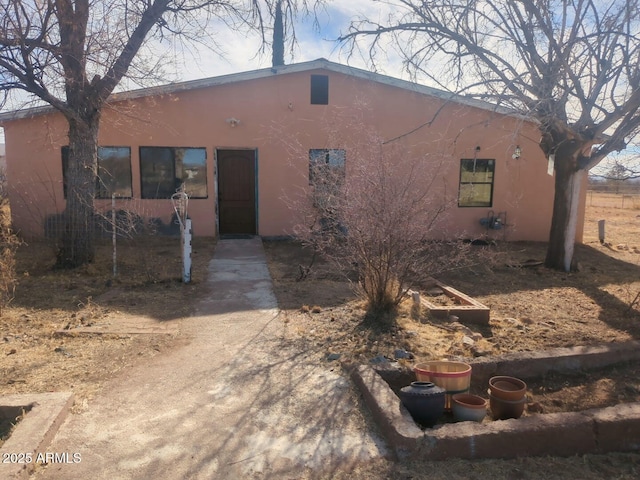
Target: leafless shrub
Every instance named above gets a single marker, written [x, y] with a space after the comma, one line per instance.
[376, 215]
[4, 197]
[8, 244]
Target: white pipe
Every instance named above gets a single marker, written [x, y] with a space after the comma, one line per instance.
[186, 251]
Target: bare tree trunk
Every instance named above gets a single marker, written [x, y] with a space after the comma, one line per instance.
[568, 183]
[77, 242]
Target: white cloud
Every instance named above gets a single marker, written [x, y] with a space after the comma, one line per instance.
[240, 51]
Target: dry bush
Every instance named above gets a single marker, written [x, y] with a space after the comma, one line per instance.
[8, 244]
[377, 216]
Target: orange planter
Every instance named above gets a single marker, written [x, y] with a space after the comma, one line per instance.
[454, 377]
[507, 388]
[502, 409]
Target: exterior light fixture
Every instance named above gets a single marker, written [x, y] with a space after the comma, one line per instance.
[517, 153]
[233, 121]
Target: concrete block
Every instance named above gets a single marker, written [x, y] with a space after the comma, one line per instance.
[561, 434]
[394, 420]
[482, 369]
[617, 428]
[36, 430]
[536, 364]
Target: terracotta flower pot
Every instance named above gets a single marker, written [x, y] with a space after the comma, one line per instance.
[502, 409]
[507, 388]
[424, 401]
[467, 407]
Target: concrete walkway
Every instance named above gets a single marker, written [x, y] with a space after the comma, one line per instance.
[237, 402]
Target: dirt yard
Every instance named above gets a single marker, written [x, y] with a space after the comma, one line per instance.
[39, 349]
[532, 308]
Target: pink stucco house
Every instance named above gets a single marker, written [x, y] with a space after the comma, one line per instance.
[228, 140]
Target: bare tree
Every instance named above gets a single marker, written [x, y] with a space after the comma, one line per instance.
[620, 172]
[572, 66]
[73, 54]
[617, 178]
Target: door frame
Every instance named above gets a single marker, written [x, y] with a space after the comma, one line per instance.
[217, 186]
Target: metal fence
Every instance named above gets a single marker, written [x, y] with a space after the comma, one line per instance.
[613, 200]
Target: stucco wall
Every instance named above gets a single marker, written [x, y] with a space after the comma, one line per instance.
[277, 119]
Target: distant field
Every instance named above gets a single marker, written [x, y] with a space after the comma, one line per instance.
[613, 200]
[621, 214]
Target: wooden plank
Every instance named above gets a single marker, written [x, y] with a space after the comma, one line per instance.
[469, 310]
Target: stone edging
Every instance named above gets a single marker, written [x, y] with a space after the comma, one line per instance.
[35, 431]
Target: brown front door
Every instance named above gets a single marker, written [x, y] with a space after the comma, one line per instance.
[237, 192]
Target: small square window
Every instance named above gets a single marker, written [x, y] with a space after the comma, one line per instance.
[476, 183]
[319, 90]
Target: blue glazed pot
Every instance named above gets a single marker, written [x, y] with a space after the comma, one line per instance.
[424, 401]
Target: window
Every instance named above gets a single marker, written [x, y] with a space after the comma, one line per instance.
[114, 172]
[326, 166]
[476, 183]
[319, 90]
[164, 169]
[326, 175]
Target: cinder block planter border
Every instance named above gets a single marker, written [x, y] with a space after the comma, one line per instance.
[35, 431]
[603, 430]
[562, 360]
